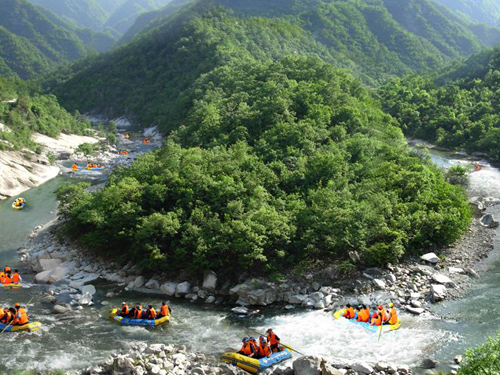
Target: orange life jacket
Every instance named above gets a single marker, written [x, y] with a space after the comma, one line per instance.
[15, 278]
[376, 319]
[2, 278]
[8, 269]
[2, 314]
[394, 316]
[7, 280]
[125, 310]
[264, 350]
[349, 313]
[21, 317]
[151, 313]
[164, 310]
[383, 314]
[363, 316]
[138, 313]
[7, 317]
[272, 338]
[247, 348]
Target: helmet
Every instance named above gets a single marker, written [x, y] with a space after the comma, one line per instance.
[262, 339]
[251, 338]
[269, 330]
[123, 303]
[17, 305]
[245, 339]
[380, 307]
[391, 304]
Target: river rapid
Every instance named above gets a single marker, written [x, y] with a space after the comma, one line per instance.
[70, 345]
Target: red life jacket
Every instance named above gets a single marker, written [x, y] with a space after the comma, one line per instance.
[15, 278]
[272, 338]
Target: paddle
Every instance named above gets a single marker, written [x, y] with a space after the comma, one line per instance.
[8, 325]
[286, 346]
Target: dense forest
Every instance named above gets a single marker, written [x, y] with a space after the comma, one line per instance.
[24, 110]
[34, 41]
[459, 109]
[276, 165]
[479, 11]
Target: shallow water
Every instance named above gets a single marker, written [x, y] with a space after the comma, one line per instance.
[211, 329]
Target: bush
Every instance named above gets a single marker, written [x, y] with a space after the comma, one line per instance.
[484, 359]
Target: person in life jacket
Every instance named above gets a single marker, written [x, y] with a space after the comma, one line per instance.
[264, 350]
[125, 310]
[74, 166]
[7, 269]
[138, 311]
[16, 278]
[7, 279]
[3, 312]
[247, 348]
[165, 310]
[273, 340]
[349, 312]
[8, 316]
[2, 277]
[21, 316]
[376, 319]
[363, 314]
[393, 315]
[382, 313]
[150, 313]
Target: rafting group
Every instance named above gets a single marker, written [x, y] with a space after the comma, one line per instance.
[265, 347]
[19, 203]
[15, 316]
[379, 317]
[137, 312]
[7, 277]
[93, 165]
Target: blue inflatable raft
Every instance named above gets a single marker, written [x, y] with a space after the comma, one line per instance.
[137, 322]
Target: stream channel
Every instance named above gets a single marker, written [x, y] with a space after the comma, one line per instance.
[69, 345]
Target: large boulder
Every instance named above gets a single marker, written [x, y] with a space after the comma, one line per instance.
[210, 281]
[297, 299]
[310, 365]
[379, 284]
[438, 292]
[362, 368]
[488, 221]
[261, 297]
[169, 288]
[182, 289]
[139, 281]
[122, 366]
[51, 276]
[153, 284]
[430, 257]
[443, 279]
[49, 264]
[86, 299]
[415, 310]
[89, 289]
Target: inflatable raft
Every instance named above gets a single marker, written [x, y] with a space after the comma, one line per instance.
[94, 168]
[253, 365]
[29, 327]
[12, 286]
[137, 322]
[18, 207]
[385, 327]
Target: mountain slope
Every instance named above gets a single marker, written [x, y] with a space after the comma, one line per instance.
[124, 17]
[480, 11]
[33, 39]
[459, 109]
[148, 21]
[81, 13]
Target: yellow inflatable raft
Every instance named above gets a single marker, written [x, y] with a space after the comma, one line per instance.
[253, 365]
[29, 327]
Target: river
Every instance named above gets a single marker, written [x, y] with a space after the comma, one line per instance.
[210, 329]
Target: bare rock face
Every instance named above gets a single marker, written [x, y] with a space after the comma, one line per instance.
[310, 365]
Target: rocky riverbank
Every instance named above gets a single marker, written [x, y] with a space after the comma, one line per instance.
[160, 359]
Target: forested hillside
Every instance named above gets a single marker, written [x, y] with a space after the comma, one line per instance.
[81, 13]
[276, 166]
[479, 11]
[150, 20]
[145, 78]
[24, 110]
[459, 109]
[32, 41]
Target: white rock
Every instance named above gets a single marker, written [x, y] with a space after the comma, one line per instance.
[415, 310]
[379, 284]
[58, 309]
[309, 365]
[210, 299]
[89, 289]
[362, 368]
[169, 288]
[416, 303]
[153, 284]
[139, 281]
[210, 281]
[86, 299]
[438, 292]
[430, 257]
[240, 310]
[182, 289]
[455, 270]
[49, 264]
[297, 299]
[443, 279]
